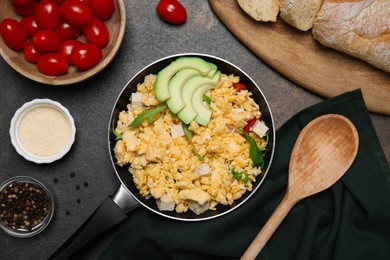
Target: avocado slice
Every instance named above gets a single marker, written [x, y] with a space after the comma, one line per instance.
[175, 86]
[203, 112]
[213, 70]
[164, 76]
[188, 113]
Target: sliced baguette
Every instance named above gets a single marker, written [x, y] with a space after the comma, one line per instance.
[360, 28]
[300, 13]
[261, 10]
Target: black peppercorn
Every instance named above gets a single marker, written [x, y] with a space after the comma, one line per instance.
[23, 205]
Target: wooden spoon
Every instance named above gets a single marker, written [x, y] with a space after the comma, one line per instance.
[323, 152]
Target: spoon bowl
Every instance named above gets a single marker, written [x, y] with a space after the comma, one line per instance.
[323, 152]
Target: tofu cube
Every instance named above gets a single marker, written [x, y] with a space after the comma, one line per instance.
[260, 128]
[202, 169]
[165, 203]
[196, 208]
[136, 100]
[177, 131]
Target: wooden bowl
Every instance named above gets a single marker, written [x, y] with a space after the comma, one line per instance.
[115, 24]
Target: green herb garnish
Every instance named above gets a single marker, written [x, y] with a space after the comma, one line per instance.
[256, 154]
[188, 135]
[117, 135]
[187, 132]
[149, 115]
[201, 158]
[240, 175]
[207, 99]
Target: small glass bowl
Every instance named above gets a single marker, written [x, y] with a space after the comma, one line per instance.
[24, 232]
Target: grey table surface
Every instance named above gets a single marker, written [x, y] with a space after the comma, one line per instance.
[147, 38]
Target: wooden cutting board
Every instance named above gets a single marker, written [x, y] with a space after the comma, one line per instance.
[299, 57]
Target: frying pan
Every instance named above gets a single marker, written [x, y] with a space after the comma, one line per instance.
[115, 208]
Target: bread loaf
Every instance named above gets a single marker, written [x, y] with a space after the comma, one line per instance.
[261, 10]
[300, 13]
[360, 28]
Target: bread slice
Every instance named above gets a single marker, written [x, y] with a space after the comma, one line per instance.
[360, 28]
[300, 13]
[261, 10]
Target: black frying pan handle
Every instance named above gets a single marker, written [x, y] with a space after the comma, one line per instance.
[107, 215]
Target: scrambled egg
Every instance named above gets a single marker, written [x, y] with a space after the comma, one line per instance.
[194, 174]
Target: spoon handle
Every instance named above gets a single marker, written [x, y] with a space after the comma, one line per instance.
[268, 229]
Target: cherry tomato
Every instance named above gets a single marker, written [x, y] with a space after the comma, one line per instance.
[76, 12]
[102, 9]
[68, 31]
[27, 9]
[238, 86]
[47, 15]
[22, 2]
[30, 53]
[46, 41]
[52, 64]
[66, 49]
[86, 56]
[85, 1]
[248, 127]
[171, 11]
[96, 32]
[29, 25]
[13, 34]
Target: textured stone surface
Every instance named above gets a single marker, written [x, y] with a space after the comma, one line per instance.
[147, 39]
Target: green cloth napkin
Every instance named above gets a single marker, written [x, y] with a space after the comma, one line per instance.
[350, 220]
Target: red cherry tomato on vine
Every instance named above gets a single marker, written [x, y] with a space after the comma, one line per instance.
[52, 64]
[66, 49]
[96, 32]
[249, 125]
[171, 11]
[47, 15]
[46, 41]
[68, 31]
[86, 56]
[30, 53]
[27, 9]
[29, 25]
[238, 86]
[102, 9]
[76, 12]
[13, 34]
